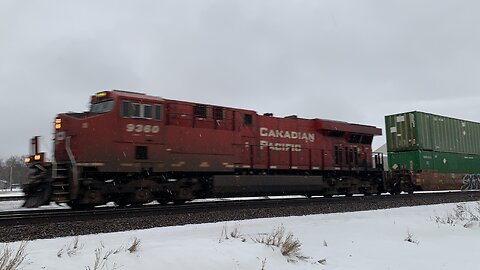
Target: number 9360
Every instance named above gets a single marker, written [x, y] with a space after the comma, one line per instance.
[142, 128]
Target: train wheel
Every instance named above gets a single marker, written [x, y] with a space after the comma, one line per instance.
[164, 198]
[179, 201]
[78, 206]
[162, 201]
[142, 196]
[121, 202]
[137, 204]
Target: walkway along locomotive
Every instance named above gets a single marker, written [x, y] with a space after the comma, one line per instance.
[133, 148]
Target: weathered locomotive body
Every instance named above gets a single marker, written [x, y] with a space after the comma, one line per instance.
[132, 148]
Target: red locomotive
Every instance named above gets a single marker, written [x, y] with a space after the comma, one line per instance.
[132, 148]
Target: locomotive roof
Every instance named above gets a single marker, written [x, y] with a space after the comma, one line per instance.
[347, 127]
[138, 95]
[325, 124]
[131, 94]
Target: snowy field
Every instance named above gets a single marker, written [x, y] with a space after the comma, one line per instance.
[402, 238]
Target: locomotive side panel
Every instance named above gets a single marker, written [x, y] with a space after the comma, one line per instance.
[139, 135]
[199, 137]
[284, 143]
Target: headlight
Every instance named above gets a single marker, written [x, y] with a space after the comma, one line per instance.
[58, 123]
[27, 160]
[37, 157]
[101, 94]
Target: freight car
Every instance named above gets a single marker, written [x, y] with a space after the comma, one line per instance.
[132, 148]
[432, 152]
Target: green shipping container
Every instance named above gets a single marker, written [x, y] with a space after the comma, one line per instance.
[424, 131]
[442, 162]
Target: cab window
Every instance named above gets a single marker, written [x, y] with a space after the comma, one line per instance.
[247, 119]
[125, 109]
[101, 107]
[147, 111]
[158, 112]
[137, 110]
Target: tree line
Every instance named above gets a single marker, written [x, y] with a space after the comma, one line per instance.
[13, 168]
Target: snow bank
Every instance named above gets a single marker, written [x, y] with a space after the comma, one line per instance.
[361, 240]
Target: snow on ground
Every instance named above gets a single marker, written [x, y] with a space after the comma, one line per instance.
[13, 192]
[360, 240]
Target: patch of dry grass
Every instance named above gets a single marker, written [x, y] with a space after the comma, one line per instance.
[264, 263]
[411, 238]
[290, 246]
[462, 214]
[101, 260]
[11, 259]
[72, 248]
[134, 246]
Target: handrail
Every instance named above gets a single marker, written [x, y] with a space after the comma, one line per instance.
[74, 183]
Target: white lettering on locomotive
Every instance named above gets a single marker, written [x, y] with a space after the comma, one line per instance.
[281, 146]
[286, 134]
[142, 128]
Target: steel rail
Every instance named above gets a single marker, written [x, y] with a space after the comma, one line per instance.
[68, 215]
[12, 198]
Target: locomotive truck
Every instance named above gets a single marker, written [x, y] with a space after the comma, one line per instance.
[133, 148]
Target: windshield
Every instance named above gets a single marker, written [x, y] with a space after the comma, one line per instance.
[102, 107]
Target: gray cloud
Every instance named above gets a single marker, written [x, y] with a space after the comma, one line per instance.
[348, 60]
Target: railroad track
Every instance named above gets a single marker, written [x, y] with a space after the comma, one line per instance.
[12, 198]
[20, 225]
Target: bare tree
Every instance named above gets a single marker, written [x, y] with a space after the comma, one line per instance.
[15, 169]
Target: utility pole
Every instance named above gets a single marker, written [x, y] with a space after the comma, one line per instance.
[11, 170]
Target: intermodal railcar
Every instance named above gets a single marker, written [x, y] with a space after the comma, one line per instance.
[133, 148]
[432, 152]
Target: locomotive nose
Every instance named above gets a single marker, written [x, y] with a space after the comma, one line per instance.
[60, 132]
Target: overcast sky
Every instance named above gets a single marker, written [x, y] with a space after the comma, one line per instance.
[349, 60]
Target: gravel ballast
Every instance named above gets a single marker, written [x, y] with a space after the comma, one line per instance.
[213, 213]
